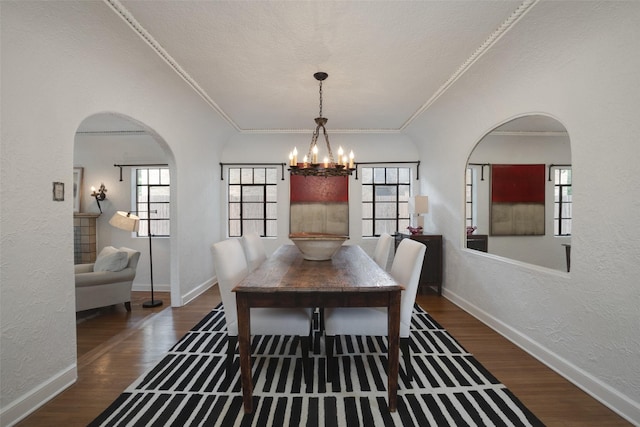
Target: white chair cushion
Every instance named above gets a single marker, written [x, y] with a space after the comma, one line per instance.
[231, 267]
[111, 259]
[370, 321]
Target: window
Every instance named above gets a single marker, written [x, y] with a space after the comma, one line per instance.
[385, 200]
[253, 201]
[152, 201]
[562, 209]
[470, 198]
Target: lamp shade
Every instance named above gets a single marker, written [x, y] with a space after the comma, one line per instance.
[125, 221]
[419, 205]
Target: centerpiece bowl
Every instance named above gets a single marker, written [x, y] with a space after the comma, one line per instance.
[317, 246]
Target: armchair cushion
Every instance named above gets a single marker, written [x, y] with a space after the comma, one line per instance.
[111, 259]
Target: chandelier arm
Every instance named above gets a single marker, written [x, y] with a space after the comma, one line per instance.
[314, 140]
[326, 139]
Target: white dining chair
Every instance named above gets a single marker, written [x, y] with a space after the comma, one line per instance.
[231, 267]
[372, 321]
[383, 249]
[253, 250]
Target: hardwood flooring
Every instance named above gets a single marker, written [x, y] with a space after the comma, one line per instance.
[116, 347]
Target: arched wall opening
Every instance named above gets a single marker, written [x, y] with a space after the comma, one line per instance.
[518, 192]
[106, 139]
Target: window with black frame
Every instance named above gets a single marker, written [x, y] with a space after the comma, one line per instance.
[252, 201]
[562, 211]
[385, 200]
[153, 194]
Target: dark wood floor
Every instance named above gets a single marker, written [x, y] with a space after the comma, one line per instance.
[116, 347]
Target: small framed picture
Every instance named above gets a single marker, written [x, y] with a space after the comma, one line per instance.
[77, 188]
[58, 191]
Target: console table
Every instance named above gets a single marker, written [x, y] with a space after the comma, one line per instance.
[431, 275]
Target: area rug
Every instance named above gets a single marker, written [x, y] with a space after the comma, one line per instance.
[189, 386]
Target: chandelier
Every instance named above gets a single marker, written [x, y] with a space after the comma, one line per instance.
[329, 166]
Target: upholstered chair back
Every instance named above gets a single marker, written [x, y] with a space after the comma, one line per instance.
[406, 269]
[383, 248]
[253, 250]
[231, 267]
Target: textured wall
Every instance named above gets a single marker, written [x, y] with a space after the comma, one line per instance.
[62, 62]
[585, 323]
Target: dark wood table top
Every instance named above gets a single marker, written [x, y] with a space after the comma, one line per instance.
[350, 269]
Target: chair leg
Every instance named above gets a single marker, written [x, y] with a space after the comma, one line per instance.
[329, 341]
[127, 305]
[231, 351]
[406, 355]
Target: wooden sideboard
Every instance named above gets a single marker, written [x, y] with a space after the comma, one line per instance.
[431, 276]
[479, 242]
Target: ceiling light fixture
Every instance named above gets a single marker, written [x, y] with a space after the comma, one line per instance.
[310, 166]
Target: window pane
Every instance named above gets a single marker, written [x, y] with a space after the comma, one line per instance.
[259, 176]
[367, 193]
[246, 176]
[234, 176]
[164, 177]
[272, 210]
[142, 176]
[392, 176]
[272, 176]
[566, 210]
[252, 210]
[272, 193]
[403, 209]
[385, 226]
[367, 227]
[385, 192]
[159, 194]
[272, 228]
[234, 210]
[404, 175]
[253, 226]
[566, 226]
[404, 192]
[159, 210]
[367, 210]
[385, 210]
[367, 175]
[160, 227]
[252, 194]
[403, 224]
[234, 193]
[234, 228]
[379, 175]
[154, 176]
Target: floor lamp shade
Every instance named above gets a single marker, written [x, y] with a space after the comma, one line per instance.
[129, 222]
[125, 221]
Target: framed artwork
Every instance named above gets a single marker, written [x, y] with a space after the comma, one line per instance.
[517, 200]
[58, 191]
[77, 188]
[319, 205]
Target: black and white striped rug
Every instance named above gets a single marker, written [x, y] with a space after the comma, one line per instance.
[189, 386]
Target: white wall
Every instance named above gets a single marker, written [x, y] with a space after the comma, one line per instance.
[97, 154]
[62, 62]
[547, 250]
[585, 323]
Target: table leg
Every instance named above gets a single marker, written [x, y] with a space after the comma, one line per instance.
[393, 313]
[244, 339]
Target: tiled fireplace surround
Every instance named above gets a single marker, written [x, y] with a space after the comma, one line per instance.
[84, 237]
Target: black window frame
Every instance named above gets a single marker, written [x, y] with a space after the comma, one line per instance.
[160, 211]
[401, 222]
[560, 202]
[241, 219]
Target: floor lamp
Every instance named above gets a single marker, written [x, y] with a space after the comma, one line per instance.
[129, 222]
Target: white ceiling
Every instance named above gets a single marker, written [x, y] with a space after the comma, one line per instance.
[253, 61]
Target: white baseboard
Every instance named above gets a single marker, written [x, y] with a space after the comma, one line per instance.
[30, 402]
[157, 287]
[605, 394]
[197, 291]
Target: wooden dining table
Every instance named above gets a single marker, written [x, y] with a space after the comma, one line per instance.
[351, 278]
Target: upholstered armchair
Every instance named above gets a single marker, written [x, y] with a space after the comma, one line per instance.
[108, 281]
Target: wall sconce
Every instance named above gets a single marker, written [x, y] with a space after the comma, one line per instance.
[99, 195]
